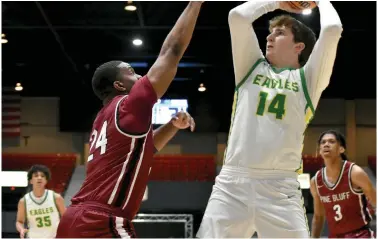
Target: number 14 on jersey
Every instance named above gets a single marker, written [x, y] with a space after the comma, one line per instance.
[276, 106]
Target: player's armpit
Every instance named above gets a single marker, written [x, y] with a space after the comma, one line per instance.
[361, 180]
[318, 69]
[319, 213]
[134, 111]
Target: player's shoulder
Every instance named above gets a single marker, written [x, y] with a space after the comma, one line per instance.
[356, 170]
[314, 178]
[56, 195]
[23, 198]
[108, 109]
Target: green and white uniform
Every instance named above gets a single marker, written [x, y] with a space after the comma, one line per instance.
[271, 111]
[257, 189]
[42, 215]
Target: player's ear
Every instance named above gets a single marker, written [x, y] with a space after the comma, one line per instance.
[299, 47]
[342, 150]
[119, 86]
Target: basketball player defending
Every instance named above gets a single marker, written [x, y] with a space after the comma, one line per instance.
[41, 208]
[341, 191]
[122, 139]
[275, 98]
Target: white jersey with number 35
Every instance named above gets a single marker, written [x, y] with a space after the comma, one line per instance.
[42, 216]
[271, 111]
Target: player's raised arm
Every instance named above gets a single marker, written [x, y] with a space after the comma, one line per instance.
[245, 46]
[319, 213]
[318, 68]
[164, 69]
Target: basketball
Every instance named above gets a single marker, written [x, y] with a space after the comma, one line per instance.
[301, 5]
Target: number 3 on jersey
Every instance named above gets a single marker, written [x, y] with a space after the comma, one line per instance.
[101, 141]
[277, 106]
[337, 209]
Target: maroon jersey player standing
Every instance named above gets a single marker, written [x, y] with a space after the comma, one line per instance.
[341, 191]
[122, 142]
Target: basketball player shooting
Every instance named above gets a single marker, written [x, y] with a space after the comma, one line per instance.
[341, 192]
[275, 98]
[41, 208]
[123, 142]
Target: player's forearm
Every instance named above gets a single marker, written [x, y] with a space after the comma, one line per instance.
[245, 46]
[249, 11]
[163, 135]
[318, 69]
[329, 19]
[19, 226]
[179, 37]
[317, 226]
[372, 199]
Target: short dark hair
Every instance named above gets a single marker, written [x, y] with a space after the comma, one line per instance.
[103, 78]
[340, 138]
[39, 168]
[301, 33]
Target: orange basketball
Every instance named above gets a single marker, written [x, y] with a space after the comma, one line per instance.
[301, 5]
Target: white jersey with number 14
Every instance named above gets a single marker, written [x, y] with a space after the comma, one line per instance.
[270, 114]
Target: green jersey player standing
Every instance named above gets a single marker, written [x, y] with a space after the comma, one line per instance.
[275, 98]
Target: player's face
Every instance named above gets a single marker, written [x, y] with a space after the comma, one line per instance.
[128, 78]
[38, 180]
[329, 147]
[281, 48]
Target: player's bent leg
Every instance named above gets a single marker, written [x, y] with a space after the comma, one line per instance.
[227, 214]
[80, 222]
[122, 227]
[281, 212]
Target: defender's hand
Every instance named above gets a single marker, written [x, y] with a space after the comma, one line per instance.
[183, 120]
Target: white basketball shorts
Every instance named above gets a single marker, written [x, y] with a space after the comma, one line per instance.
[242, 203]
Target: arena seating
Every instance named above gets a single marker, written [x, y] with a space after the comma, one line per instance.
[183, 168]
[165, 167]
[311, 164]
[60, 165]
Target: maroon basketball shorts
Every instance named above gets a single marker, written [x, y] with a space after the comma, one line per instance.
[364, 232]
[82, 221]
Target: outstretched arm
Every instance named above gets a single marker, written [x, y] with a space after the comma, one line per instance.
[165, 133]
[318, 69]
[135, 111]
[245, 46]
[164, 69]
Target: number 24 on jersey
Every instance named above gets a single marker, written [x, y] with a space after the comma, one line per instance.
[101, 141]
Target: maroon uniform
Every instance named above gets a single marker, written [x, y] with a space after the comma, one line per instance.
[120, 157]
[346, 209]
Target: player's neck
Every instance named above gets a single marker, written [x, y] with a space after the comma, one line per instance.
[290, 65]
[38, 192]
[333, 168]
[109, 98]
